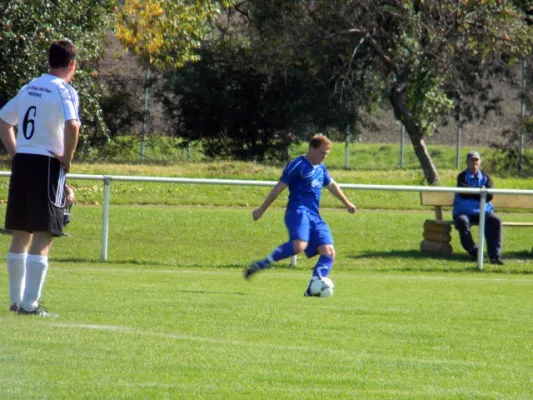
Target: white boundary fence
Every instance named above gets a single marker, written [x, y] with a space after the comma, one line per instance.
[107, 179]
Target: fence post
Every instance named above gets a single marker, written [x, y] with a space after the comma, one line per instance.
[346, 146]
[522, 112]
[145, 110]
[402, 134]
[458, 131]
[105, 229]
[481, 240]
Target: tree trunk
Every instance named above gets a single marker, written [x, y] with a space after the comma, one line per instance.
[421, 151]
[413, 130]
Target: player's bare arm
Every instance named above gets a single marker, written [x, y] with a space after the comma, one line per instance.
[72, 128]
[71, 199]
[336, 191]
[7, 135]
[258, 212]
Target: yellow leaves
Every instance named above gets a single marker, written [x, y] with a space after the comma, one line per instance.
[139, 26]
[165, 33]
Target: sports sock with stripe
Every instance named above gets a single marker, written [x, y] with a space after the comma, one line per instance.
[322, 267]
[284, 250]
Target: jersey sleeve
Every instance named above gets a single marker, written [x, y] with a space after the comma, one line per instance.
[9, 112]
[290, 172]
[70, 102]
[327, 177]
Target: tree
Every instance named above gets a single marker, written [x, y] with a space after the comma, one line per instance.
[27, 28]
[234, 110]
[422, 54]
[166, 33]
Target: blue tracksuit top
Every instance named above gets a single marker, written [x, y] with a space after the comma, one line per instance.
[468, 204]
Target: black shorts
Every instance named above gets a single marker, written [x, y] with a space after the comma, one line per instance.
[36, 199]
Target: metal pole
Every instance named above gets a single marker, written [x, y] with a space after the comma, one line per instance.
[188, 151]
[522, 112]
[402, 135]
[346, 146]
[457, 139]
[481, 240]
[105, 230]
[145, 110]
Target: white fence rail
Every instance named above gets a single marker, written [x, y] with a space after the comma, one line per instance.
[107, 179]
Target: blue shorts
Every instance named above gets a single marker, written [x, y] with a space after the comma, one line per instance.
[309, 228]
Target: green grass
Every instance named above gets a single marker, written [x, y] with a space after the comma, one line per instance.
[183, 237]
[375, 165]
[169, 316]
[361, 156]
[130, 332]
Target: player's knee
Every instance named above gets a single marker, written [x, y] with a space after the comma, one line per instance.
[327, 250]
[299, 246]
[461, 222]
[41, 243]
[20, 242]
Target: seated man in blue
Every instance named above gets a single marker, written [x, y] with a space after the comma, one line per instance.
[466, 211]
[304, 176]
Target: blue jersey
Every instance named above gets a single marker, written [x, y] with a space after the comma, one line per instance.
[305, 182]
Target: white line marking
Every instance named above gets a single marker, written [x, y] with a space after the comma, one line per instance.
[256, 344]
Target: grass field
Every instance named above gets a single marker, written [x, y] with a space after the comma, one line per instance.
[374, 165]
[170, 316]
[358, 156]
[131, 332]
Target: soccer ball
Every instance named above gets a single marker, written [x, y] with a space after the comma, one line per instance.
[321, 287]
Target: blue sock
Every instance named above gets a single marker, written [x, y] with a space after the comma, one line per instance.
[282, 251]
[322, 267]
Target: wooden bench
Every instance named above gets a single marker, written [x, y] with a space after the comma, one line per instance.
[437, 232]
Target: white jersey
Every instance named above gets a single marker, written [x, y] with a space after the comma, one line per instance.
[40, 110]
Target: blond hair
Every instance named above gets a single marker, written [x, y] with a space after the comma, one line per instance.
[318, 140]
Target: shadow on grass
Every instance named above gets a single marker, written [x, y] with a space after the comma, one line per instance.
[151, 263]
[457, 258]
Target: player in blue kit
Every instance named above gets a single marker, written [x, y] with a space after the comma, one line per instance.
[308, 232]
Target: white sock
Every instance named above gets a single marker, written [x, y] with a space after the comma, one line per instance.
[36, 267]
[16, 267]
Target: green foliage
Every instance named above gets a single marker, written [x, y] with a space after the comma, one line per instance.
[166, 34]
[157, 149]
[427, 102]
[120, 103]
[423, 54]
[27, 28]
[234, 110]
[507, 157]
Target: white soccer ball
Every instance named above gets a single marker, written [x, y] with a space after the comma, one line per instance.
[322, 287]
